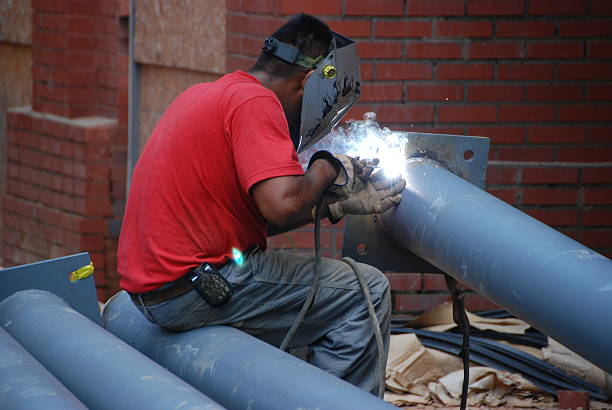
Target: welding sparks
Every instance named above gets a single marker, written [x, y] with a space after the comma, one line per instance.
[366, 140]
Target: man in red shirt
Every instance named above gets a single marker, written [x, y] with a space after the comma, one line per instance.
[219, 172]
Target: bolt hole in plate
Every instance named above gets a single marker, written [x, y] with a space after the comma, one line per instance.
[468, 155]
[361, 248]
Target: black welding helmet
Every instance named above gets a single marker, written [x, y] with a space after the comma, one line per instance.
[331, 90]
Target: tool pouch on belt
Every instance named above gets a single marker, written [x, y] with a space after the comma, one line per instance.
[211, 285]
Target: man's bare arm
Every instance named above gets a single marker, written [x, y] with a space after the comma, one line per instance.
[287, 202]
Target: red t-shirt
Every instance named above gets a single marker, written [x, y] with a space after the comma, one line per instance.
[189, 199]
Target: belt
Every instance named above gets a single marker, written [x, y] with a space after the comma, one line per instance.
[176, 288]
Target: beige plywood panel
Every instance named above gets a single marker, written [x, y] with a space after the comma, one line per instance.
[16, 21]
[159, 86]
[15, 75]
[186, 34]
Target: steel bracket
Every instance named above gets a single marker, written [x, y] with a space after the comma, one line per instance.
[465, 156]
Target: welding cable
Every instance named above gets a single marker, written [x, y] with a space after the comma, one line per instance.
[375, 325]
[315, 280]
[315, 288]
[461, 319]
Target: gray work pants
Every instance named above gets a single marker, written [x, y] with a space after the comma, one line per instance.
[268, 292]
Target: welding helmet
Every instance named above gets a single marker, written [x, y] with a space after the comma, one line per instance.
[329, 92]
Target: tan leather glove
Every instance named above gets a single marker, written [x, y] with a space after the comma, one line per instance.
[352, 176]
[380, 194]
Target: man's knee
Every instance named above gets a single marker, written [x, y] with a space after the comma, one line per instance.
[376, 280]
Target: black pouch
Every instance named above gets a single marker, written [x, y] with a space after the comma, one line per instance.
[211, 285]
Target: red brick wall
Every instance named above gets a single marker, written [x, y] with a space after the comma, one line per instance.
[65, 172]
[534, 76]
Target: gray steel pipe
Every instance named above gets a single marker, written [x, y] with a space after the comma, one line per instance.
[101, 370]
[26, 384]
[234, 368]
[551, 281]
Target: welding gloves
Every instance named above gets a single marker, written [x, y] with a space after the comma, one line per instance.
[353, 172]
[355, 191]
[379, 194]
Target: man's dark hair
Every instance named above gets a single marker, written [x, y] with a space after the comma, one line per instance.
[306, 33]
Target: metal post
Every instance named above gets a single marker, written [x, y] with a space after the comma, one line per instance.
[551, 281]
[26, 384]
[101, 370]
[234, 368]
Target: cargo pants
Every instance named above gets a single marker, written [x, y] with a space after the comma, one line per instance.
[269, 289]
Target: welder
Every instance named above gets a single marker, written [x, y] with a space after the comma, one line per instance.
[220, 173]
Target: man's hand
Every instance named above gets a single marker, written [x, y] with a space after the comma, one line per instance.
[352, 176]
[380, 194]
[352, 173]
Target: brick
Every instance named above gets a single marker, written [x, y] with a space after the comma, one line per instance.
[434, 281]
[82, 24]
[260, 6]
[584, 28]
[525, 71]
[584, 71]
[430, 8]
[556, 134]
[555, 50]
[495, 50]
[475, 302]
[253, 24]
[585, 112]
[404, 71]
[555, 93]
[557, 7]
[495, 93]
[51, 22]
[352, 28]
[435, 130]
[357, 111]
[526, 113]
[508, 195]
[403, 29]
[439, 50]
[524, 154]
[597, 239]
[379, 49]
[467, 113]
[463, 29]
[404, 281]
[543, 196]
[465, 72]
[495, 7]
[367, 71]
[374, 8]
[525, 29]
[597, 217]
[435, 92]
[418, 302]
[585, 154]
[601, 7]
[49, 40]
[317, 7]
[500, 135]
[600, 134]
[405, 113]
[381, 92]
[554, 216]
[597, 196]
[599, 92]
[497, 175]
[600, 49]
